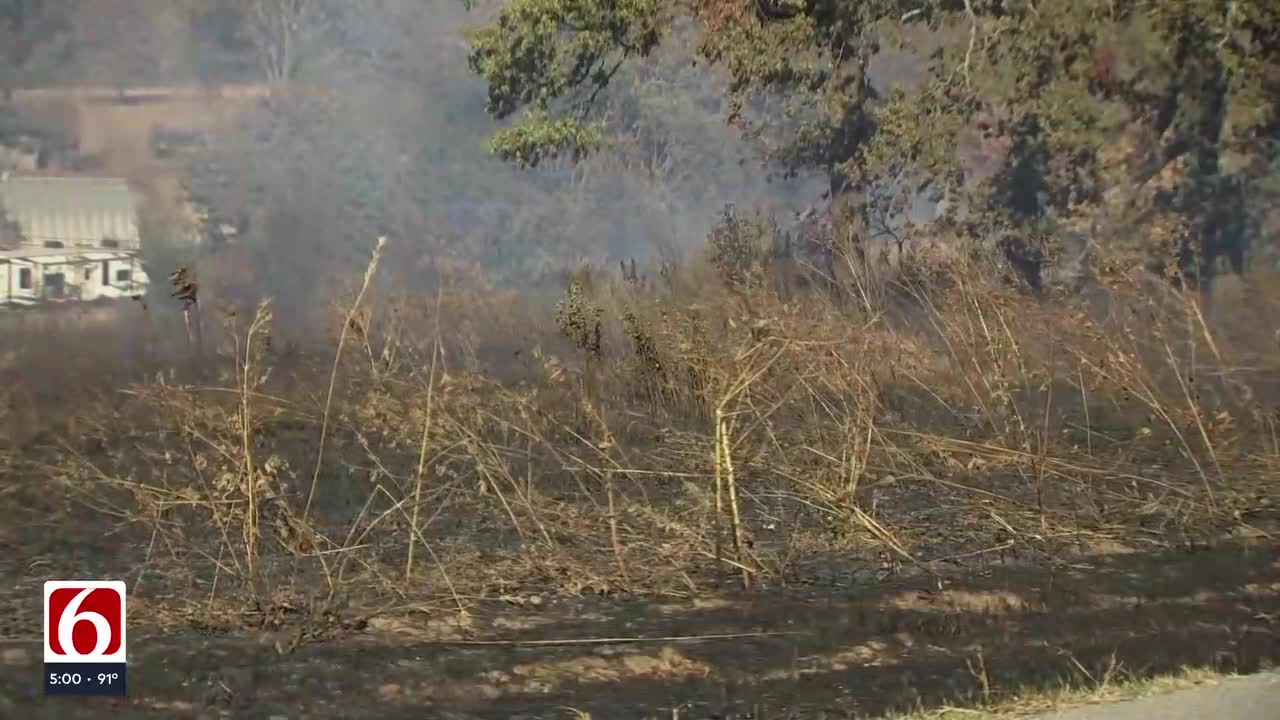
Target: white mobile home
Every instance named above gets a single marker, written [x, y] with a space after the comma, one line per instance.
[68, 239]
[37, 275]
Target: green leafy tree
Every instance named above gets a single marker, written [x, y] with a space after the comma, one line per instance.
[1060, 88]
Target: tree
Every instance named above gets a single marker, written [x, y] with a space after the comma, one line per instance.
[1059, 84]
[285, 33]
[546, 51]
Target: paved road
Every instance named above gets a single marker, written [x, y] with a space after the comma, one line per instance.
[1254, 697]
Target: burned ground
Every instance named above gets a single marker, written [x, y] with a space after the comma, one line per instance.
[946, 504]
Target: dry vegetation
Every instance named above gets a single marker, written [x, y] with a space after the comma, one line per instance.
[670, 436]
[766, 479]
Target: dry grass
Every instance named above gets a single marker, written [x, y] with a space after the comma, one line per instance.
[661, 440]
[716, 429]
[1083, 690]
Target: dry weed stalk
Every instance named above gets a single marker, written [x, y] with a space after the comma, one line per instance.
[606, 446]
[247, 383]
[725, 478]
[333, 372]
[422, 449]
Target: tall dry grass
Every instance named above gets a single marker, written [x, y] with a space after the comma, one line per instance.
[673, 432]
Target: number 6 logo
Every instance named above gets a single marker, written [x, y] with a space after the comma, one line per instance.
[84, 621]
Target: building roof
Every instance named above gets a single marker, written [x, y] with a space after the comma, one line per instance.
[57, 256]
[71, 210]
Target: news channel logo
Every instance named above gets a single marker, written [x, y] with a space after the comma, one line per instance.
[85, 632]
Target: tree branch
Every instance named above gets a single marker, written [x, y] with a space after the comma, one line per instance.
[973, 40]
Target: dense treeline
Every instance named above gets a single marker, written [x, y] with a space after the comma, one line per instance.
[1150, 125]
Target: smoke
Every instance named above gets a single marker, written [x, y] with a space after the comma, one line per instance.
[382, 130]
[374, 125]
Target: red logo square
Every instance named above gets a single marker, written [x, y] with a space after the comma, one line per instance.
[84, 621]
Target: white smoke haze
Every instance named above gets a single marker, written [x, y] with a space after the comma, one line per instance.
[381, 128]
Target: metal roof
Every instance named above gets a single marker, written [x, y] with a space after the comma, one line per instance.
[56, 255]
[71, 210]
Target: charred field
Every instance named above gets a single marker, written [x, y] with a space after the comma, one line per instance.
[710, 498]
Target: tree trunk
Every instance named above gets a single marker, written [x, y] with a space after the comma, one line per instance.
[1207, 204]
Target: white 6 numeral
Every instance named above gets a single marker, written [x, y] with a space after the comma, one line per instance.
[72, 615]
